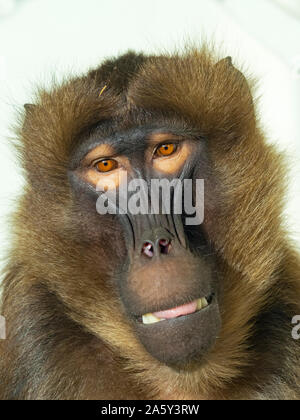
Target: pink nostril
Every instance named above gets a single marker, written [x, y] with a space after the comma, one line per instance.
[164, 245]
[148, 249]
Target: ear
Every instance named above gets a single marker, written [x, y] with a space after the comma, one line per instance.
[227, 61]
[29, 108]
[239, 78]
[29, 111]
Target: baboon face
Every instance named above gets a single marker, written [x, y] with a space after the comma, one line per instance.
[155, 275]
[164, 271]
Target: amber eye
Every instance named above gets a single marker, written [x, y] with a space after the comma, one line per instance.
[166, 149]
[106, 165]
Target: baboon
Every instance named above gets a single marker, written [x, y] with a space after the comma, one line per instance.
[123, 306]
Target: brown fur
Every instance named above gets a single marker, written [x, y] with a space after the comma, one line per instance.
[68, 337]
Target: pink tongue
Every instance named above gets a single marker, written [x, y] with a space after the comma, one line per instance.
[186, 309]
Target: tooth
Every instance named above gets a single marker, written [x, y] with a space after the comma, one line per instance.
[199, 304]
[150, 319]
[204, 302]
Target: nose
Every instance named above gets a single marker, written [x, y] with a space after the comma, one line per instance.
[156, 242]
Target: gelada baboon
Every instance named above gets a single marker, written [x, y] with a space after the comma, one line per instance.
[124, 306]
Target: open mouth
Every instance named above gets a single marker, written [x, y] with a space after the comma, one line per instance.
[182, 333]
[182, 310]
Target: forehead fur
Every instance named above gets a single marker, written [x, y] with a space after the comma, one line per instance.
[209, 94]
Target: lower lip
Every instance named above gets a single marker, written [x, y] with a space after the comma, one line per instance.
[183, 339]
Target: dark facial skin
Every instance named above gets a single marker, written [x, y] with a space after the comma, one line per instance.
[178, 272]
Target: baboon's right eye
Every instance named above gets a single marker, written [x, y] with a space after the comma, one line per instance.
[106, 165]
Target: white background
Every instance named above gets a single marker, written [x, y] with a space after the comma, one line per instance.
[39, 38]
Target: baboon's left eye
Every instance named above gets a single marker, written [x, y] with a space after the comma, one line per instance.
[165, 150]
